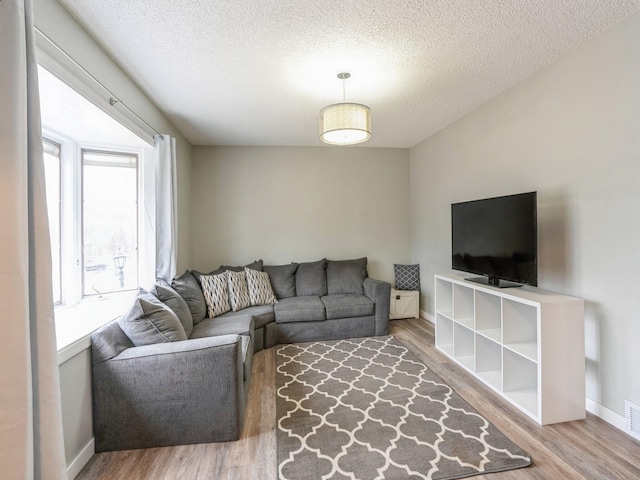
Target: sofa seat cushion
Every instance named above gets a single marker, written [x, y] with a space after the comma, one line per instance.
[299, 309]
[344, 306]
[223, 325]
[262, 314]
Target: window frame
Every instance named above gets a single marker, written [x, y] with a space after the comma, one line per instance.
[72, 215]
[140, 245]
[57, 146]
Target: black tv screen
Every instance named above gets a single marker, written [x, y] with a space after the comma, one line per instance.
[496, 238]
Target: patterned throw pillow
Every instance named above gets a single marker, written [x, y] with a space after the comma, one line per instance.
[238, 290]
[259, 285]
[216, 293]
[407, 277]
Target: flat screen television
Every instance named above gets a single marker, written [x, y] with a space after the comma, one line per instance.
[496, 238]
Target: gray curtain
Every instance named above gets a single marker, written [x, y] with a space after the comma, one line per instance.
[166, 208]
[31, 441]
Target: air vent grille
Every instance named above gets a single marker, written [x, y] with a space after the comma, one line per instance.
[632, 413]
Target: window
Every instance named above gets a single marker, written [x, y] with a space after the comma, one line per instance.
[95, 172]
[109, 222]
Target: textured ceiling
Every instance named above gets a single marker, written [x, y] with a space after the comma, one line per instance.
[257, 72]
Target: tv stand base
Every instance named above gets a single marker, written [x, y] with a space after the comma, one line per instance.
[493, 282]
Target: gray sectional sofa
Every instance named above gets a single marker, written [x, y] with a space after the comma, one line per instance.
[161, 379]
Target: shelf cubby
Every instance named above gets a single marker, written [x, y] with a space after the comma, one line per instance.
[444, 339]
[444, 298]
[489, 361]
[520, 328]
[500, 335]
[489, 315]
[520, 381]
[463, 346]
[463, 310]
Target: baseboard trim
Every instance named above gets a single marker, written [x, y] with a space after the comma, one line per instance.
[424, 314]
[78, 463]
[606, 414]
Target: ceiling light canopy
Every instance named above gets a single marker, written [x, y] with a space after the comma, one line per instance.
[345, 123]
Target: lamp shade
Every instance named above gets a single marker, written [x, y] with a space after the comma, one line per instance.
[345, 124]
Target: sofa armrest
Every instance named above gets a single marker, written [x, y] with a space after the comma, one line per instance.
[170, 393]
[380, 292]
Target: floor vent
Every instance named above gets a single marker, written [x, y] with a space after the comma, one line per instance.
[632, 412]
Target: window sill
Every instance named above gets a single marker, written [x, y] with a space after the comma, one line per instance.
[74, 325]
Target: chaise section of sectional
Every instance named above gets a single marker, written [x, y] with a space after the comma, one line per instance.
[173, 393]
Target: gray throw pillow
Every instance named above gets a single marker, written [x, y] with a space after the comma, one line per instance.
[189, 289]
[346, 276]
[283, 279]
[198, 274]
[176, 303]
[311, 278]
[150, 321]
[407, 276]
[255, 265]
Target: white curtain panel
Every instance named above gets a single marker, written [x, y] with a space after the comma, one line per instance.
[31, 442]
[166, 208]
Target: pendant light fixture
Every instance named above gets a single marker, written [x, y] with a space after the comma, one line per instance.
[345, 123]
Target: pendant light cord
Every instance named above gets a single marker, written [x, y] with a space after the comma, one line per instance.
[343, 76]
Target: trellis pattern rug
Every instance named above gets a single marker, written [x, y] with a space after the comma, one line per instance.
[368, 409]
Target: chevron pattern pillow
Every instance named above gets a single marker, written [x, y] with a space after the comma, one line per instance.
[407, 277]
[238, 290]
[216, 293]
[259, 285]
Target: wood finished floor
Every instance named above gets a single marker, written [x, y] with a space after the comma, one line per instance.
[585, 449]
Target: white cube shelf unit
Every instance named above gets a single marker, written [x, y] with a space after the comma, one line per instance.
[525, 343]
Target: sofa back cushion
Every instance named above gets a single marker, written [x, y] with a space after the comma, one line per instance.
[283, 279]
[346, 276]
[176, 303]
[311, 278]
[255, 265]
[150, 321]
[189, 289]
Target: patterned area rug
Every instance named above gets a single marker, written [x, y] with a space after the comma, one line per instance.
[368, 409]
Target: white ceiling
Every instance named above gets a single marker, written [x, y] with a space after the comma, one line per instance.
[257, 72]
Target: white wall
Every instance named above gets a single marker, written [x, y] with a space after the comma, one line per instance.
[77, 404]
[285, 204]
[571, 132]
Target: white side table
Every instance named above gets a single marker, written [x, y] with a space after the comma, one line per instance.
[404, 304]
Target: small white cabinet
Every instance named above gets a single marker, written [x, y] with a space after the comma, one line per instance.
[525, 343]
[404, 304]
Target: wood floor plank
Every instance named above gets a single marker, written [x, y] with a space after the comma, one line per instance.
[587, 449]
